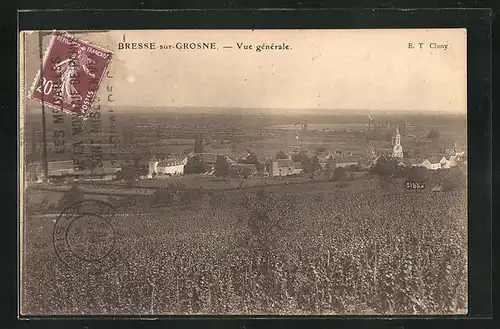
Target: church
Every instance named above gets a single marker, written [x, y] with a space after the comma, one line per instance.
[397, 151]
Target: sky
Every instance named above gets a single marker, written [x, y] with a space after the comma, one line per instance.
[324, 69]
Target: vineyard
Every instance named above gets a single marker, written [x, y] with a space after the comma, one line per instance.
[292, 250]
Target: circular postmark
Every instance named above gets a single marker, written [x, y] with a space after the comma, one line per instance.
[85, 238]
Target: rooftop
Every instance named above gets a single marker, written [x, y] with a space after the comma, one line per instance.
[348, 159]
[169, 162]
[284, 163]
[298, 165]
[244, 165]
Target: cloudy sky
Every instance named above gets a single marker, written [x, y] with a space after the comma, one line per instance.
[334, 69]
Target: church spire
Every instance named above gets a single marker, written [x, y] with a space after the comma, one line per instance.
[398, 149]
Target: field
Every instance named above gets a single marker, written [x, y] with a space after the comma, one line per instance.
[300, 249]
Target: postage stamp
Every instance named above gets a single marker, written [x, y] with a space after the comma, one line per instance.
[85, 238]
[70, 75]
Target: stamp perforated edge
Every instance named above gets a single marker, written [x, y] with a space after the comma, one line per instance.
[53, 34]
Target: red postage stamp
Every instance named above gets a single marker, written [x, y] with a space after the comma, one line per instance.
[71, 74]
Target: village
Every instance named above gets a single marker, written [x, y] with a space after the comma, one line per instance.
[298, 160]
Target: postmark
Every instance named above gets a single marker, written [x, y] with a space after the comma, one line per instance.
[85, 237]
[71, 74]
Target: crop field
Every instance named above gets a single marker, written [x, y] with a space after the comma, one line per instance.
[297, 249]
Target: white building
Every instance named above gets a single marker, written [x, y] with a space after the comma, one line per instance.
[444, 163]
[452, 161]
[435, 166]
[432, 164]
[166, 166]
[345, 162]
[449, 163]
[282, 167]
[397, 151]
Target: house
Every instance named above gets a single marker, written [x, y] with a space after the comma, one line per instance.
[61, 168]
[435, 166]
[211, 158]
[153, 166]
[171, 166]
[327, 162]
[281, 167]
[244, 169]
[298, 168]
[367, 163]
[444, 162]
[435, 163]
[432, 163]
[107, 170]
[166, 166]
[426, 163]
[67, 169]
[452, 162]
[345, 162]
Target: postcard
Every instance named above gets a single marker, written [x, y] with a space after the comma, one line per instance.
[243, 172]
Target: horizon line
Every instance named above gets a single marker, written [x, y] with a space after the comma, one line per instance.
[156, 107]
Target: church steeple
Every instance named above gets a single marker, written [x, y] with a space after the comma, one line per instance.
[398, 137]
[397, 152]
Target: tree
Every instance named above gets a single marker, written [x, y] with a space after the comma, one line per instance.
[71, 197]
[252, 158]
[246, 172]
[221, 167]
[130, 173]
[303, 158]
[385, 169]
[195, 165]
[314, 165]
[137, 161]
[281, 155]
[260, 166]
[198, 144]
[418, 174]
